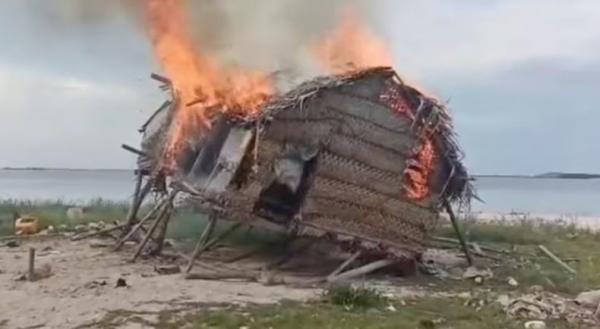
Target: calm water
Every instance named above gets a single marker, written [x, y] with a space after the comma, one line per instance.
[546, 196]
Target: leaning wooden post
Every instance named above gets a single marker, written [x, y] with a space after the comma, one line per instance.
[31, 276]
[363, 270]
[345, 264]
[459, 234]
[202, 241]
[162, 232]
[138, 197]
[139, 224]
[157, 221]
[211, 243]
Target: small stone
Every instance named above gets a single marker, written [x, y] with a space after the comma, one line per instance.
[512, 282]
[503, 300]
[535, 325]
[473, 272]
[391, 308]
[478, 280]
[536, 289]
[50, 229]
[80, 228]
[464, 295]
[589, 298]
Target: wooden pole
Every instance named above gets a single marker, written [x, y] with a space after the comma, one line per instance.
[344, 265]
[162, 233]
[556, 259]
[31, 275]
[210, 226]
[157, 221]
[133, 150]
[139, 224]
[210, 244]
[101, 232]
[363, 270]
[138, 197]
[461, 239]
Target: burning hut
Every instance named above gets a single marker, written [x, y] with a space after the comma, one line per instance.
[360, 158]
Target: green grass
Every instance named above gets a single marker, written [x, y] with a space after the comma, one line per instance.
[425, 313]
[351, 297]
[54, 212]
[528, 265]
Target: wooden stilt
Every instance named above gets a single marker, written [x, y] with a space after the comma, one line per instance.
[345, 264]
[138, 197]
[459, 234]
[363, 270]
[159, 218]
[204, 237]
[139, 224]
[162, 232]
[210, 244]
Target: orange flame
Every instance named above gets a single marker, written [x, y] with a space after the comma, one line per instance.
[351, 45]
[418, 174]
[201, 86]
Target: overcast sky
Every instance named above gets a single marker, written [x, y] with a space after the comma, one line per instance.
[522, 78]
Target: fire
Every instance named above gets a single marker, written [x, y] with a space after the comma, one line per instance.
[418, 174]
[420, 166]
[201, 86]
[351, 45]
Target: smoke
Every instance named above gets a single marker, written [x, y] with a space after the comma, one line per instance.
[269, 35]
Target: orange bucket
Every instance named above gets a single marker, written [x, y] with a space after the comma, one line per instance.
[27, 225]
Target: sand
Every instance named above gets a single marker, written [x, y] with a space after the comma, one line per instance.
[75, 295]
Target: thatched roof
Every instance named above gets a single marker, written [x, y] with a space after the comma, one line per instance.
[458, 188]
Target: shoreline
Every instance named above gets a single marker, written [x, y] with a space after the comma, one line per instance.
[580, 222]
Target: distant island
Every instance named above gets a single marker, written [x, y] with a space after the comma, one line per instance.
[549, 175]
[61, 169]
[567, 175]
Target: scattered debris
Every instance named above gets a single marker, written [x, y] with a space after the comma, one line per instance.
[93, 226]
[12, 243]
[391, 308]
[536, 306]
[544, 306]
[121, 283]
[167, 270]
[79, 228]
[95, 284]
[477, 275]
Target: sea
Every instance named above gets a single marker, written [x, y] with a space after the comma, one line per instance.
[522, 195]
